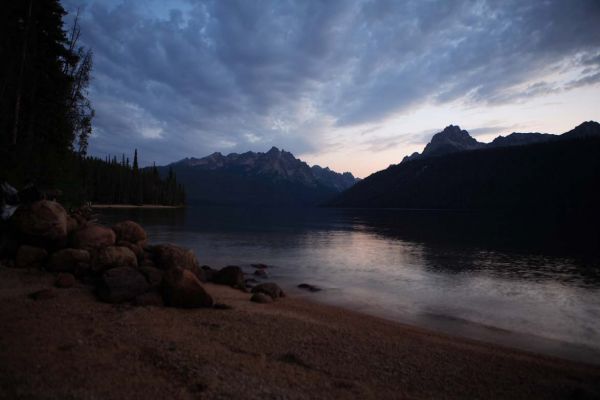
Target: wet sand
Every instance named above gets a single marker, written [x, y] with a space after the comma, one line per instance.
[73, 346]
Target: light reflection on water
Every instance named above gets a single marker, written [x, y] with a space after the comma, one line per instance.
[475, 276]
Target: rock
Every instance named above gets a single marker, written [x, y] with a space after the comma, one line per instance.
[167, 256]
[43, 223]
[259, 266]
[64, 280]
[68, 260]
[261, 273]
[261, 298]
[44, 294]
[72, 224]
[181, 288]
[200, 273]
[93, 236]
[306, 286]
[269, 288]
[113, 257]
[231, 275]
[153, 275]
[129, 231]
[137, 250]
[149, 299]
[209, 273]
[30, 256]
[121, 284]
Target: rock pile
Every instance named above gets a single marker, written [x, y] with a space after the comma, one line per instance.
[117, 260]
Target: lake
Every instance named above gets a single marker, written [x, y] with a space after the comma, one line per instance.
[530, 281]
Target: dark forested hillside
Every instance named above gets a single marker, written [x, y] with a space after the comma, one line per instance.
[556, 174]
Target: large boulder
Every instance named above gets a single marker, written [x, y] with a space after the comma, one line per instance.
[129, 231]
[231, 275]
[113, 257]
[42, 223]
[93, 236]
[181, 288]
[137, 249]
[118, 285]
[167, 256]
[69, 260]
[153, 275]
[30, 256]
[269, 288]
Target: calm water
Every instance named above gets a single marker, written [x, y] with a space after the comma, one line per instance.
[529, 282]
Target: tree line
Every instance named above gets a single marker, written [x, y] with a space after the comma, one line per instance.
[46, 115]
[114, 181]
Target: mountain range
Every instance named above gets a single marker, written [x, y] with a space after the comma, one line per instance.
[274, 178]
[521, 170]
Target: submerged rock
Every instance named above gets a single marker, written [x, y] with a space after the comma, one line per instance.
[309, 287]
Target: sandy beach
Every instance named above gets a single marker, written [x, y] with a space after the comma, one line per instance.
[73, 346]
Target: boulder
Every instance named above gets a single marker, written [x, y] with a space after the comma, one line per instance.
[259, 266]
[68, 260]
[113, 257]
[64, 280]
[137, 250]
[181, 288]
[43, 223]
[149, 299]
[261, 298]
[309, 287]
[129, 231]
[72, 224]
[30, 256]
[121, 284]
[209, 273]
[167, 256]
[269, 288]
[153, 275]
[231, 275]
[93, 236]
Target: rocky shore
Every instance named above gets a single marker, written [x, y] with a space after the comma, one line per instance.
[91, 311]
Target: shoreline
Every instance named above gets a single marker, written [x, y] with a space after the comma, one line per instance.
[133, 206]
[292, 348]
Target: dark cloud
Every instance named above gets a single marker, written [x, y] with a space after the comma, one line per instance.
[192, 77]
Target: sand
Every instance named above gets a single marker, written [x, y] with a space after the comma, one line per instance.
[73, 346]
[127, 206]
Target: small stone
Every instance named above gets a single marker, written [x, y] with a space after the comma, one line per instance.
[261, 298]
[64, 280]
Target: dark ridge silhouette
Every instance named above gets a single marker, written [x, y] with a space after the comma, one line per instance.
[560, 172]
[274, 178]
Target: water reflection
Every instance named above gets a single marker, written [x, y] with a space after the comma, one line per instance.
[447, 270]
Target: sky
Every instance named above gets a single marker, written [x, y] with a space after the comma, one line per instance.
[354, 85]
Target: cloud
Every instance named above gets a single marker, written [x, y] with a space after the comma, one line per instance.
[189, 78]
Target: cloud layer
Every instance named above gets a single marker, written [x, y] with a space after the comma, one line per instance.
[193, 77]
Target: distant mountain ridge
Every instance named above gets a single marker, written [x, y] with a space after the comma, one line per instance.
[275, 177]
[522, 170]
[452, 140]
